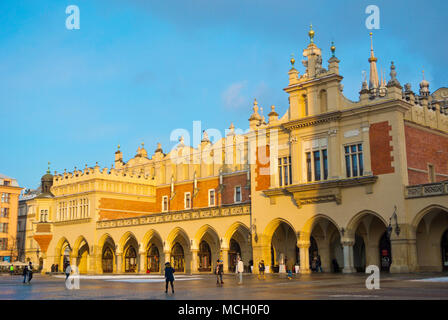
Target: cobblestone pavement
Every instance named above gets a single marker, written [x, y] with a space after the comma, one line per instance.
[203, 287]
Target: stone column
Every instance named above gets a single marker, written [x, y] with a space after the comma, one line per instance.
[194, 261]
[304, 250]
[404, 250]
[119, 262]
[142, 265]
[46, 262]
[167, 256]
[225, 259]
[347, 246]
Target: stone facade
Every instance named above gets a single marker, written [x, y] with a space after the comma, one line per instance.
[339, 179]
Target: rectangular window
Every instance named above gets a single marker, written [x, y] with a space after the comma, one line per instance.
[187, 200]
[316, 157]
[316, 165]
[3, 227]
[284, 171]
[309, 169]
[238, 194]
[3, 244]
[4, 213]
[164, 203]
[431, 173]
[354, 162]
[211, 198]
[325, 163]
[5, 197]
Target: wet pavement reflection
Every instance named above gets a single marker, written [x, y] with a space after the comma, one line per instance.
[203, 287]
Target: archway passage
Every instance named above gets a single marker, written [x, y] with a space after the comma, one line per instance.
[444, 247]
[108, 257]
[108, 260]
[239, 247]
[371, 244]
[385, 252]
[284, 248]
[81, 260]
[205, 257]
[431, 241]
[130, 260]
[359, 254]
[234, 254]
[65, 256]
[178, 258]
[153, 259]
[325, 251]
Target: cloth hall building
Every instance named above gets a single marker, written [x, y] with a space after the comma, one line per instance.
[355, 182]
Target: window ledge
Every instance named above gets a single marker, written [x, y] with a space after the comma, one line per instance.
[321, 191]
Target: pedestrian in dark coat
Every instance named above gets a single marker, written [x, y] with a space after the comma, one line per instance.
[169, 277]
[30, 272]
[25, 273]
[219, 271]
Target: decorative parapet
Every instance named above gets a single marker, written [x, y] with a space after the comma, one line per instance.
[323, 191]
[104, 174]
[185, 215]
[42, 228]
[427, 190]
[75, 221]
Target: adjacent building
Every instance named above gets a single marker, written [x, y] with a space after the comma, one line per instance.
[9, 203]
[355, 182]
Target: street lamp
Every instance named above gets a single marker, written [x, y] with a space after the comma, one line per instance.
[397, 227]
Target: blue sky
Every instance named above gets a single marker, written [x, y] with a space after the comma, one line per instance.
[137, 69]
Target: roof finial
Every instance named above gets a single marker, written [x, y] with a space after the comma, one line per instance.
[311, 34]
[292, 60]
[332, 48]
[373, 81]
[118, 146]
[48, 170]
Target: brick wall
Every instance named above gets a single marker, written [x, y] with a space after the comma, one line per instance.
[228, 194]
[262, 174]
[423, 147]
[126, 205]
[380, 148]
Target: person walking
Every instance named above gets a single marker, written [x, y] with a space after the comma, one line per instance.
[25, 273]
[11, 269]
[169, 277]
[240, 269]
[219, 272]
[68, 270]
[30, 272]
[261, 269]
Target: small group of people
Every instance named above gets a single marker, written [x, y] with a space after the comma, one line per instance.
[28, 273]
[54, 268]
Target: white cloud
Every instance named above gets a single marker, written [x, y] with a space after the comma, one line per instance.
[233, 98]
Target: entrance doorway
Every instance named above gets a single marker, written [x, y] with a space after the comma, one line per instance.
[108, 261]
[205, 257]
[234, 254]
[385, 253]
[153, 259]
[130, 264]
[177, 258]
[444, 246]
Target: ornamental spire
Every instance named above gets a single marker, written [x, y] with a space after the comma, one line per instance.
[373, 80]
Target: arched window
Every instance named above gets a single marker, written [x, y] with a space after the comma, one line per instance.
[305, 104]
[130, 260]
[153, 259]
[108, 260]
[205, 257]
[177, 257]
[323, 101]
